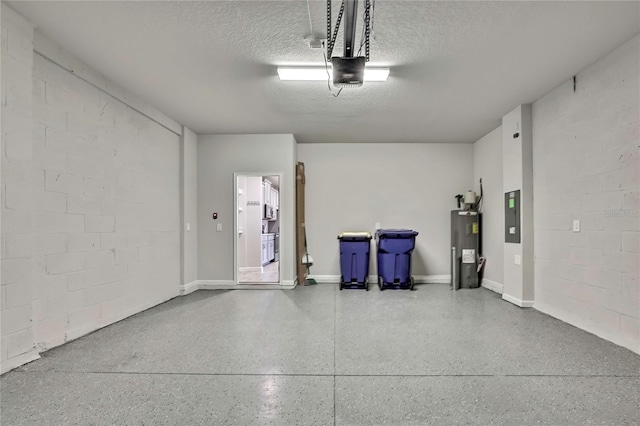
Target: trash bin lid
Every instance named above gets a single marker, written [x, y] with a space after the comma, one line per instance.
[354, 236]
[396, 233]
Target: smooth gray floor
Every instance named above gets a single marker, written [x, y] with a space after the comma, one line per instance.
[320, 356]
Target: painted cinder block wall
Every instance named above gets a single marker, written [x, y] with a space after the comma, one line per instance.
[586, 167]
[90, 201]
[18, 266]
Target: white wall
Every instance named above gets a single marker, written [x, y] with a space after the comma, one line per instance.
[18, 242]
[586, 167]
[487, 153]
[219, 156]
[517, 174]
[189, 206]
[90, 202]
[350, 187]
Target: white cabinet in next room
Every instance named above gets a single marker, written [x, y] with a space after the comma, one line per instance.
[275, 199]
[271, 252]
[265, 252]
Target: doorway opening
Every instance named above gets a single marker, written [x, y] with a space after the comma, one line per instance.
[257, 242]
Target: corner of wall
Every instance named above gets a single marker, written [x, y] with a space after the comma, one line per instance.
[493, 286]
[189, 205]
[518, 175]
[487, 152]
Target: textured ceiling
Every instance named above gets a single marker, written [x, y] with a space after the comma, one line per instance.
[456, 67]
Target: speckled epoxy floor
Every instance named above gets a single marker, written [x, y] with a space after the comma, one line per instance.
[319, 356]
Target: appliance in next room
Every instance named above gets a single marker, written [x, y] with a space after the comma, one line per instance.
[268, 212]
[276, 247]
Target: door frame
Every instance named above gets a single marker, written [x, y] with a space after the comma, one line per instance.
[301, 270]
[281, 214]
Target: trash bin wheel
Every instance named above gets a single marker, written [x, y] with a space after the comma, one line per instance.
[411, 284]
[341, 285]
[380, 284]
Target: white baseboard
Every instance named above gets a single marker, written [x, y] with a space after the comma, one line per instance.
[289, 283]
[432, 279]
[19, 360]
[418, 279]
[216, 284]
[251, 269]
[325, 279]
[188, 288]
[517, 302]
[231, 285]
[493, 286]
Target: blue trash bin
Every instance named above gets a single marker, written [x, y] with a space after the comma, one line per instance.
[394, 247]
[354, 259]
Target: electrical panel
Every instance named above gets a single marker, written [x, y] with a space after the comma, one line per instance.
[512, 217]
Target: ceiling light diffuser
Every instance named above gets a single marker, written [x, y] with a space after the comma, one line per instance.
[320, 74]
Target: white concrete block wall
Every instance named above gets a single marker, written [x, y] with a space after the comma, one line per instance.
[90, 203]
[586, 167]
[19, 262]
[120, 176]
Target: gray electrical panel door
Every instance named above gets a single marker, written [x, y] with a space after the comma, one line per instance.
[465, 237]
[512, 217]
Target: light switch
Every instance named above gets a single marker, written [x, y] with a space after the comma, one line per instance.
[219, 227]
[517, 259]
[576, 225]
[188, 226]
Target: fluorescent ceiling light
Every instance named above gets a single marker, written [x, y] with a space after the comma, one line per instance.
[320, 73]
[376, 74]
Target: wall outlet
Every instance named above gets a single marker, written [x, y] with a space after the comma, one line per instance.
[576, 225]
[377, 225]
[516, 259]
[219, 227]
[188, 227]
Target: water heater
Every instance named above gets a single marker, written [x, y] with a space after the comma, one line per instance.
[465, 248]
